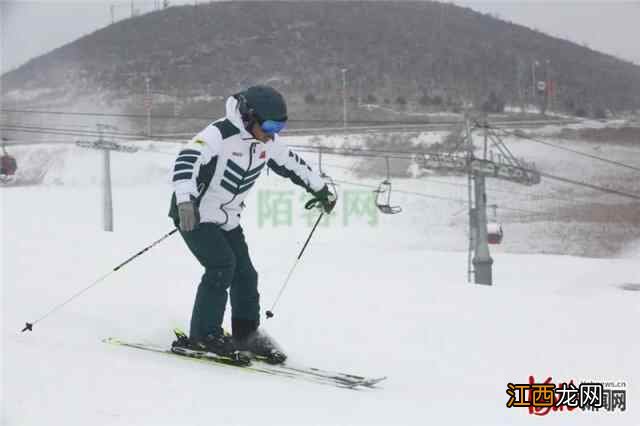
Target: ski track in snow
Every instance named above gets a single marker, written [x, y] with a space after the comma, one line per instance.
[390, 299]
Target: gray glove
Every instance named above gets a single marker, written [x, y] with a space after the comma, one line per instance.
[188, 214]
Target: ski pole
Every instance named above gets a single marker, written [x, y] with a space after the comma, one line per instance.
[29, 325]
[269, 313]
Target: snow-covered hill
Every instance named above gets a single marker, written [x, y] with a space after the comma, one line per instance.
[378, 295]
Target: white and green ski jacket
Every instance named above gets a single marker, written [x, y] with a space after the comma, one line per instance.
[222, 162]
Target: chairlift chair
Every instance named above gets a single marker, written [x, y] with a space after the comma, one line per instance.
[494, 228]
[494, 233]
[383, 202]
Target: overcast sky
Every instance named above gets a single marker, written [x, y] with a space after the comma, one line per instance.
[31, 28]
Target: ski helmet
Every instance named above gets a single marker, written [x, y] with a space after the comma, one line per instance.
[264, 103]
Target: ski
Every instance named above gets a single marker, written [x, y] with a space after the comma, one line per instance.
[288, 370]
[318, 372]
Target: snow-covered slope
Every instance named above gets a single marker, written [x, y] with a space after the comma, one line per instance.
[371, 295]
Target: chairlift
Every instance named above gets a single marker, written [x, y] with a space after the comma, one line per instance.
[383, 195]
[494, 228]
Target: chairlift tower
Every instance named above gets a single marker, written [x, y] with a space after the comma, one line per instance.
[344, 97]
[500, 165]
[147, 103]
[106, 147]
[479, 243]
[507, 167]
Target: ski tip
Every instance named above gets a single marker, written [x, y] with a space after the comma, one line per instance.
[366, 383]
[373, 382]
[179, 333]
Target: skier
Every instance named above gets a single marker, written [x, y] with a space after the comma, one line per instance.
[212, 176]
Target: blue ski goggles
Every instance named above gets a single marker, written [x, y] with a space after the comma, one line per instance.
[272, 126]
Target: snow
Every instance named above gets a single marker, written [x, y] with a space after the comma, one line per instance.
[27, 95]
[384, 299]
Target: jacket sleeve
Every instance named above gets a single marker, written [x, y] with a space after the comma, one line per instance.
[199, 151]
[288, 164]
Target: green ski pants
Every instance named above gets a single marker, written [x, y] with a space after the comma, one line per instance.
[227, 265]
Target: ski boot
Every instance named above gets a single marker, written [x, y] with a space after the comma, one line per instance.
[220, 347]
[262, 347]
[247, 337]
